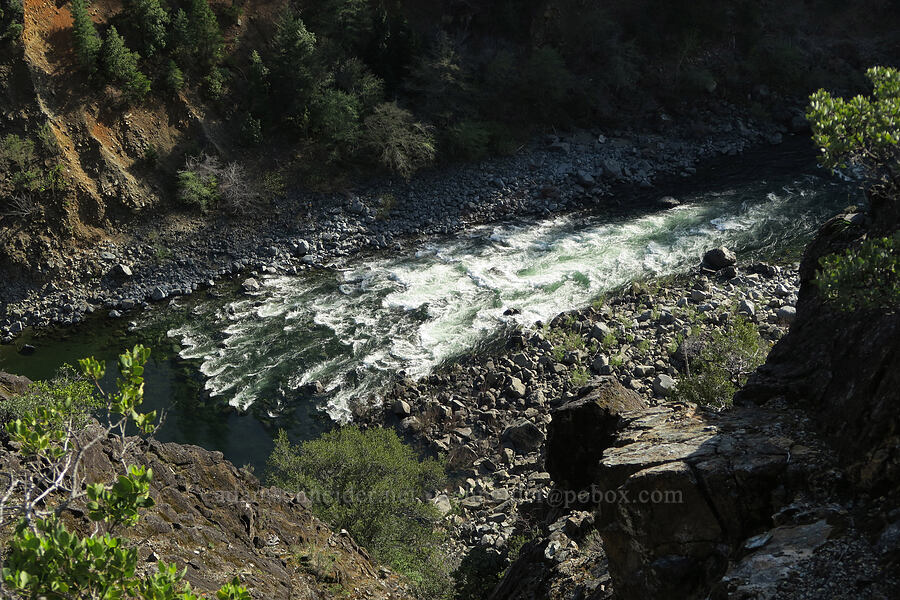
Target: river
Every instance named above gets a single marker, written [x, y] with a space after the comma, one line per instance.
[230, 370]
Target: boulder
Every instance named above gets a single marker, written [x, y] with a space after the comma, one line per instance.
[442, 504]
[158, 294]
[719, 258]
[582, 429]
[401, 408]
[121, 271]
[12, 385]
[786, 314]
[663, 385]
[250, 285]
[717, 480]
[515, 389]
[523, 436]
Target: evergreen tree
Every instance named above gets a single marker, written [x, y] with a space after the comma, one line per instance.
[259, 85]
[294, 68]
[150, 21]
[181, 37]
[87, 41]
[206, 40]
[120, 65]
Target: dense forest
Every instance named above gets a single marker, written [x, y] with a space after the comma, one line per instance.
[394, 84]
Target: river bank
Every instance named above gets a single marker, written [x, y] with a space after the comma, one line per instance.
[539, 434]
[305, 231]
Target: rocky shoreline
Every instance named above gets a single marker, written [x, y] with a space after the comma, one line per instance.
[525, 431]
[305, 231]
[490, 415]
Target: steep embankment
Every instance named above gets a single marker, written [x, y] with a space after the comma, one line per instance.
[216, 521]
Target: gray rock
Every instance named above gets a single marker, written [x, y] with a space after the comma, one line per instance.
[250, 285]
[747, 307]
[401, 408]
[600, 361]
[600, 331]
[524, 436]
[644, 370]
[663, 385]
[114, 314]
[442, 504]
[121, 271]
[515, 389]
[719, 258]
[786, 314]
[699, 295]
[158, 294]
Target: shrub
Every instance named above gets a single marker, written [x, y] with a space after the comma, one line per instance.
[197, 190]
[862, 131]
[397, 141]
[717, 363]
[70, 393]
[17, 150]
[335, 123]
[371, 484]
[205, 182]
[580, 377]
[867, 277]
[469, 140]
[214, 83]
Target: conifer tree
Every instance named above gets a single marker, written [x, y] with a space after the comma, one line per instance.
[205, 36]
[120, 64]
[150, 21]
[87, 41]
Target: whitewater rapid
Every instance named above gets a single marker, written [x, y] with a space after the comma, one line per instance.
[354, 328]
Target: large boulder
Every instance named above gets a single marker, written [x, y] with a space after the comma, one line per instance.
[523, 436]
[11, 385]
[719, 258]
[688, 490]
[582, 429]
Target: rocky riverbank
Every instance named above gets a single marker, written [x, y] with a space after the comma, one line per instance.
[151, 263]
[583, 406]
[490, 415]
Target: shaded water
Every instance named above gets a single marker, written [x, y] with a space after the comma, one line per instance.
[356, 327]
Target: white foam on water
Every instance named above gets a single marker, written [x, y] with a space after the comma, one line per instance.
[353, 329]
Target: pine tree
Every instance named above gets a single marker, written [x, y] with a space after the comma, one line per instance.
[87, 41]
[181, 38]
[205, 35]
[120, 64]
[150, 21]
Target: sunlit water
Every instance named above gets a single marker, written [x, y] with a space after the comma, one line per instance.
[353, 328]
[356, 327]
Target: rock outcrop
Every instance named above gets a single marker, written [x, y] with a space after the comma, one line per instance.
[594, 416]
[217, 521]
[681, 490]
[842, 366]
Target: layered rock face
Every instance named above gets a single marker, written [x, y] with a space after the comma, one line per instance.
[682, 490]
